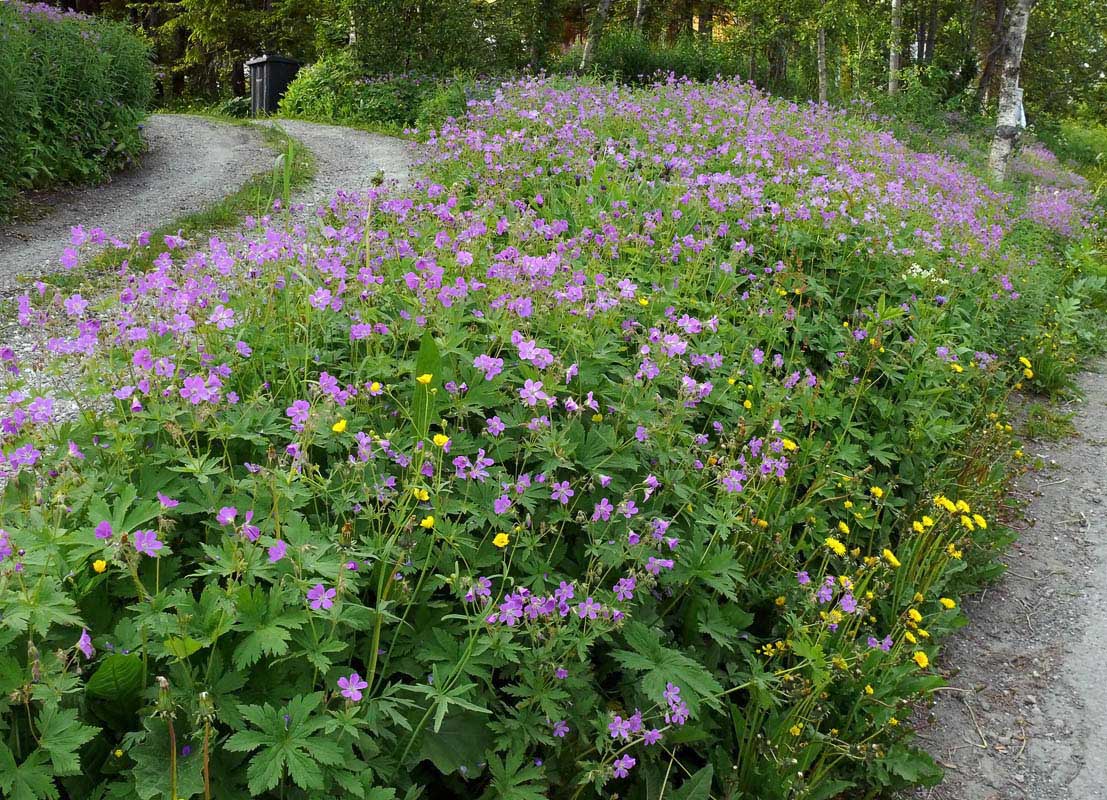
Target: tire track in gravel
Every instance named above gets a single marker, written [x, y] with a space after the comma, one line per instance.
[1026, 715]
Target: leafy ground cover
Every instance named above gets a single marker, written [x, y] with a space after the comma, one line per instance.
[648, 442]
[73, 90]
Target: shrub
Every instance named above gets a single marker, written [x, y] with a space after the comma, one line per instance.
[72, 92]
[647, 441]
[630, 56]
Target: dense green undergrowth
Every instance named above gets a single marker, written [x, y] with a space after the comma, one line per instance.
[73, 92]
[644, 447]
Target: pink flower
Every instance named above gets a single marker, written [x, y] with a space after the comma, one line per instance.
[351, 686]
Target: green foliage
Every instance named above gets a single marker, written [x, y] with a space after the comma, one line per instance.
[73, 91]
[628, 55]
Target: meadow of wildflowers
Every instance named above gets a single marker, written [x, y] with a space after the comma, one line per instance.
[647, 441]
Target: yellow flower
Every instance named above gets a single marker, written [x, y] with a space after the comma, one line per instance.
[893, 722]
[732, 381]
[1018, 454]
[375, 387]
[427, 521]
[918, 526]
[441, 440]
[795, 730]
[924, 633]
[835, 545]
[1025, 362]
[1029, 373]
[746, 404]
[843, 528]
[921, 659]
[118, 753]
[421, 494]
[910, 637]
[980, 521]
[918, 598]
[643, 301]
[953, 551]
[340, 426]
[957, 368]
[928, 521]
[967, 522]
[780, 600]
[597, 417]
[890, 557]
[848, 504]
[915, 615]
[868, 688]
[425, 378]
[947, 603]
[876, 492]
[501, 540]
[99, 565]
[788, 444]
[962, 506]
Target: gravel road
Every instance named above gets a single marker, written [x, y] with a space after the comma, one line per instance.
[1027, 714]
[191, 163]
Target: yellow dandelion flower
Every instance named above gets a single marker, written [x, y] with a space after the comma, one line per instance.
[876, 492]
[980, 521]
[918, 598]
[843, 528]
[967, 522]
[962, 506]
[928, 522]
[99, 565]
[340, 426]
[890, 557]
[1025, 362]
[924, 633]
[918, 526]
[953, 551]
[947, 603]
[1028, 373]
[921, 659]
[501, 540]
[835, 545]
[441, 440]
[910, 637]
[427, 521]
[915, 615]
[788, 444]
[425, 378]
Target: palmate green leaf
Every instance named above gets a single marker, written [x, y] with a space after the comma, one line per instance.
[660, 665]
[263, 614]
[31, 780]
[61, 735]
[39, 608]
[721, 571]
[515, 778]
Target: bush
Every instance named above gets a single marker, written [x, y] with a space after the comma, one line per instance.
[672, 413]
[72, 92]
[629, 56]
[334, 89]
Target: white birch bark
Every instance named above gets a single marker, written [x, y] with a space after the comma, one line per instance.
[894, 48]
[1007, 118]
[594, 31]
[822, 64]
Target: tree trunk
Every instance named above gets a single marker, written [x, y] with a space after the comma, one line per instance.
[641, 10]
[992, 57]
[707, 20]
[822, 65]
[894, 49]
[931, 32]
[1007, 118]
[595, 30]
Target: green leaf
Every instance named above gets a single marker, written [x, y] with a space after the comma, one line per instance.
[427, 362]
[31, 780]
[181, 648]
[462, 741]
[661, 665]
[697, 787]
[61, 736]
[153, 766]
[119, 677]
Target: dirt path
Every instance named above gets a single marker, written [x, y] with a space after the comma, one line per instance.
[1026, 714]
[191, 163]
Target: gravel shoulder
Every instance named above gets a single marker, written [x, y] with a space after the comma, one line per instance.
[1026, 712]
[191, 163]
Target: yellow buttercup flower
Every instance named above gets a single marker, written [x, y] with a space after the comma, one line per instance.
[427, 522]
[340, 426]
[421, 494]
[425, 378]
[441, 440]
[890, 557]
[99, 565]
[746, 404]
[868, 688]
[501, 540]
[848, 504]
[795, 730]
[921, 659]
[643, 301]
[957, 368]
[597, 417]
[876, 492]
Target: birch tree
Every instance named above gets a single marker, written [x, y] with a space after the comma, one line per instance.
[894, 48]
[594, 32]
[1007, 118]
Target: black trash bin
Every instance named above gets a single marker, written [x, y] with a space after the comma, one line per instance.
[269, 77]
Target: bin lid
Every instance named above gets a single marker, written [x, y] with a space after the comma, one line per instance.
[271, 59]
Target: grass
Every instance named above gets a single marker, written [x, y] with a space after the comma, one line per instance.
[295, 167]
[1046, 423]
